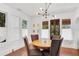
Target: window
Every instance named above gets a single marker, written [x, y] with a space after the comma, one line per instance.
[45, 31]
[66, 29]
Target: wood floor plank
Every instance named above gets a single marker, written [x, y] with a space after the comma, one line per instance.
[63, 52]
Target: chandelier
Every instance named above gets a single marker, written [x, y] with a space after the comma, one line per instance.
[44, 11]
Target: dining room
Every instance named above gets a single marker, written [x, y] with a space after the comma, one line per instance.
[39, 29]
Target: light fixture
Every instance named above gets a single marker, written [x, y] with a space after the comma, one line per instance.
[44, 11]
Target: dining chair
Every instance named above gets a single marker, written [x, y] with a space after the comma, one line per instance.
[55, 37]
[31, 52]
[34, 37]
[55, 48]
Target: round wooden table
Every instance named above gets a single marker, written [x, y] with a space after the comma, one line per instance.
[44, 44]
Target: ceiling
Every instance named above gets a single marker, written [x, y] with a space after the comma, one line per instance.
[31, 8]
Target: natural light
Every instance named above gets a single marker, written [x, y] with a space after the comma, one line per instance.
[45, 33]
[67, 34]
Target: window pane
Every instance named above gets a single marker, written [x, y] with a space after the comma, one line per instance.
[67, 34]
[66, 29]
[44, 33]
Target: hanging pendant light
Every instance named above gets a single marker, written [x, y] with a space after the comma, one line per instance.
[44, 11]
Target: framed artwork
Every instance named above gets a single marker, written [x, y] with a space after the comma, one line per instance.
[24, 24]
[2, 19]
[45, 25]
[66, 23]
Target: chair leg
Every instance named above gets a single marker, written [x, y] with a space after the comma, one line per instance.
[42, 53]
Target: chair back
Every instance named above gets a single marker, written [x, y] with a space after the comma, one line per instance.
[34, 37]
[55, 46]
[55, 37]
[26, 45]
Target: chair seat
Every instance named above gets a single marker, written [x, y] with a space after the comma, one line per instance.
[34, 52]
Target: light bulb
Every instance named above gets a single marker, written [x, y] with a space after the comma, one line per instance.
[36, 13]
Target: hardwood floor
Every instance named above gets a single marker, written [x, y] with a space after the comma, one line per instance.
[63, 52]
[69, 52]
[20, 52]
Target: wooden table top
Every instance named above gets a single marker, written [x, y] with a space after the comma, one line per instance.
[42, 44]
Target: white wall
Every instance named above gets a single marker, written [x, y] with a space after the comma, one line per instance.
[77, 32]
[29, 29]
[76, 28]
[65, 15]
[12, 32]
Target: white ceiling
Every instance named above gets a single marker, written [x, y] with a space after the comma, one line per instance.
[31, 8]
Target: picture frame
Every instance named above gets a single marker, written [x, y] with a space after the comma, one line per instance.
[2, 19]
[24, 24]
[45, 25]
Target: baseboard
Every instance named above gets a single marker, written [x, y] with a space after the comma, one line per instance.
[70, 50]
